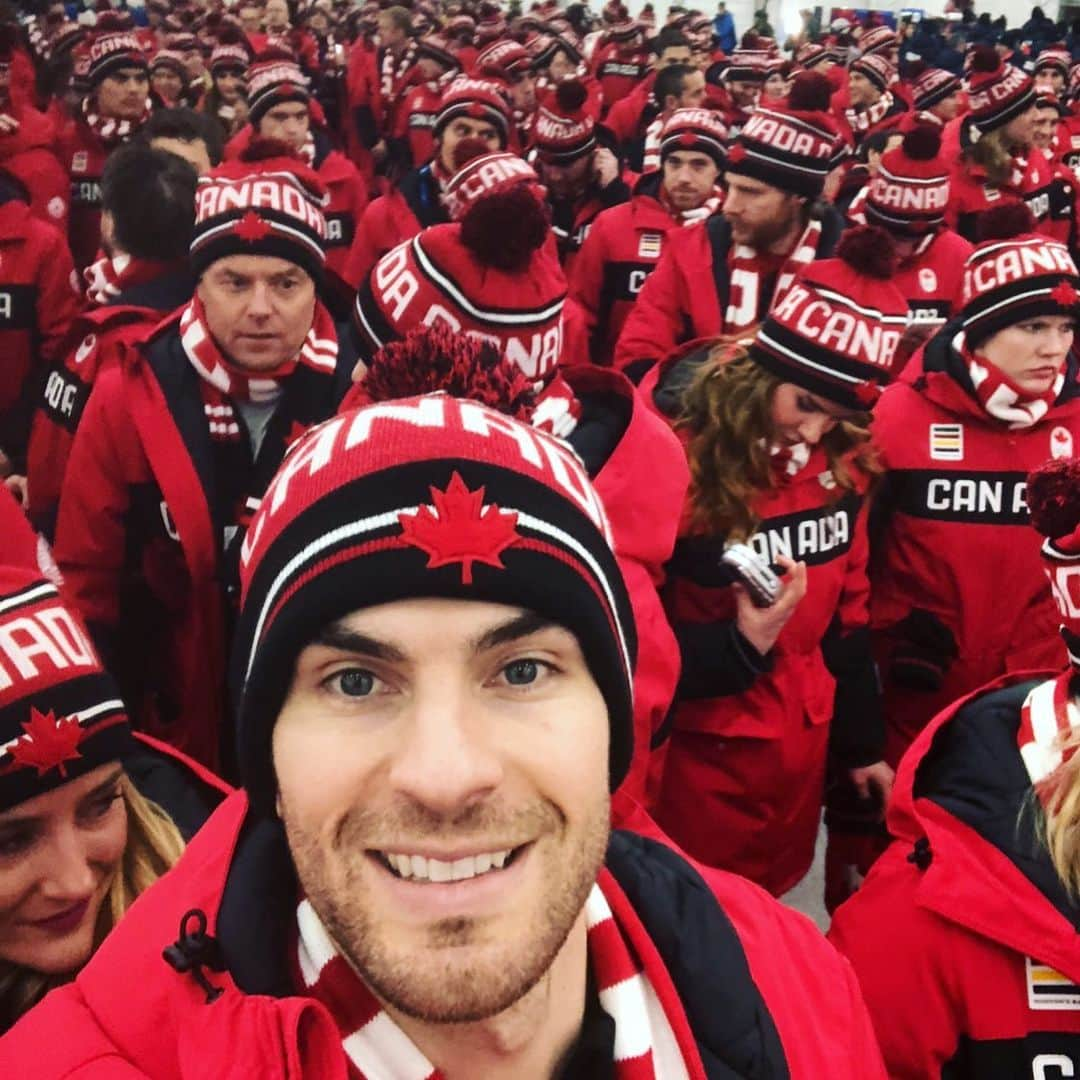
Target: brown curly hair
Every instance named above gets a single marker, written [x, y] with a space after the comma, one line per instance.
[727, 415]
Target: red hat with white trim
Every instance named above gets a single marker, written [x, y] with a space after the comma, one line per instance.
[876, 68]
[564, 130]
[880, 39]
[477, 99]
[910, 191]
[60, 712]
[997, 94]
[933, 86]
[274, 77]
[109, 53]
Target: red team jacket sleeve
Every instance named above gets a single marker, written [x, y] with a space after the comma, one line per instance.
[914, 1014]
[58, 300]
[654, 326]
[586, 279]
[90, 529]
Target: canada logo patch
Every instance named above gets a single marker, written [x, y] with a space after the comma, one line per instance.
[947, 442]
[1061, 443]
[649, 245]
[1049, 990]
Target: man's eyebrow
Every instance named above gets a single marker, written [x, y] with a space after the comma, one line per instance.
[336, 636]
[519, 626]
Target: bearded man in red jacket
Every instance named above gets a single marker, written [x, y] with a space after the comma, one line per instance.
[434, 659]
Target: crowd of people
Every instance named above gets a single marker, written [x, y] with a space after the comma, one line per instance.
[707, 407]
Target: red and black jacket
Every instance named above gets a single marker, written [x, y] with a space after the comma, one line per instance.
[99, 334]
[951, 534]
[965, 941]
[750, 988]
[39, 298]
[146, 535]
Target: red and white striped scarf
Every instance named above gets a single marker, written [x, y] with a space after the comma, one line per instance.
[1003, 399]
[687, 218]
[1048, 717]
[221, 380]
[392, 73]
[650, 159]
[377, 1049]
[109, 129]
[745, 266]
[106, 278]
[861, 120]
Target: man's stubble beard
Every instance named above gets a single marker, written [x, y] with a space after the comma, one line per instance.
[437, 986]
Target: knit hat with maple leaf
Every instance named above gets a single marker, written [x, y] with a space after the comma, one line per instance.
[266, 203]
[932, 86]
[792, 145]
[1015, 274]
[273, 78]
[60, 713]
[702, 130]
[836, 330]
[424, 497]
[564, 129]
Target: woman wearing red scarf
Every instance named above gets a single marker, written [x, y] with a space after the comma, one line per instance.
[959, 596]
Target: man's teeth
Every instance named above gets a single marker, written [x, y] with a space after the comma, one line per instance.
[419, 868]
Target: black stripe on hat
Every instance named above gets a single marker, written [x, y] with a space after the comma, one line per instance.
[371, 324]
[499, 319]
[349, 550]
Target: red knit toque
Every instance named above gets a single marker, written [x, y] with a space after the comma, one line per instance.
[478, 99]
[695, 129]
[563, 130]
[996, 95]
[109, 53]
[876, 68]
[932, 87]
[910, 191]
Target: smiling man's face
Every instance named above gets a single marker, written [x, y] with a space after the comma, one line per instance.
[442, 770]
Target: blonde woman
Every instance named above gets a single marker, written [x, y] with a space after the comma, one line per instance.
[965, 933]
[79, 841]
[776, 435]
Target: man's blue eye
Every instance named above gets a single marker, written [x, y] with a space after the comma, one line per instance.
[522, 672]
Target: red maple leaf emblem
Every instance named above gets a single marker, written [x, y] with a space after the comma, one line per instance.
[251, 227]
[462, 529]
[48, 742]
[1064, 294]
[736, 154]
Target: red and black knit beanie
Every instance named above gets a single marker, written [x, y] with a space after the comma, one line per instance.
[792, 145]
[910, 191]
[273, 79]
[110, 53]
[835, 332]
[997, 94]
[694, 129]
[60, 713]
[478, 99]
[424, 497]
[564, 129]
[1015, 274]
[932, 86]
[266, 203]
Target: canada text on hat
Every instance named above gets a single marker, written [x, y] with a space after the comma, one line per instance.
[910, 191]
[986, 98]
[1014, 264]
[271, 81]
[781, 148]
[114, 52]
[876, 68]
[478, 99]
[694, 129]
[485, 175]
[60, 714]
[932, 87]
[879, 39]
[504, 56]
[865, 336]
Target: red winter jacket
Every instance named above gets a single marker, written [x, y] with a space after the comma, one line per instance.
[82, 155]
[963, 938]
[620, 439]
[686, 295]
[1049, 194]
[18, 542]
[399, 215]
[364, 103]
[416, 121]
[99, 335]
[951, 533]
[747, 985]
[931, 282]
[619, 73]
[29, 154]
[620, 251]
[348, 198]
[745, 768]
[39, 297]
[141, 546]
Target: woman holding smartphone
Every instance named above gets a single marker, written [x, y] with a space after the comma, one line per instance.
[775, 430]
[80, 835]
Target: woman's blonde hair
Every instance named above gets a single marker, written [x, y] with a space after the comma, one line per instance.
[727, 416]
[153, 845]
[1058, 805]
[994, 155]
